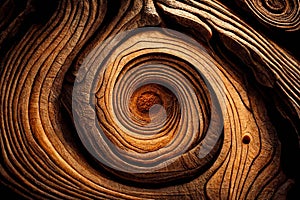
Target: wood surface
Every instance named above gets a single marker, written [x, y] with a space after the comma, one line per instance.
[149, 99]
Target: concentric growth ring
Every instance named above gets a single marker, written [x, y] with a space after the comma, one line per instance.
[278, 13]
[146, 102]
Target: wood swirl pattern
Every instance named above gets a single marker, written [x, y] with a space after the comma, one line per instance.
[146, 99]
[281, 14]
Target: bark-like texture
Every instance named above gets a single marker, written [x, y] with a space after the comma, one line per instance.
[92, 107]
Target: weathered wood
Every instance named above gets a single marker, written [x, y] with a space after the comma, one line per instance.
[281, 14]
[153, 99]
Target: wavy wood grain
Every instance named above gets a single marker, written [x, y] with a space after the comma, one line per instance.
[281, 14]
[43, 152]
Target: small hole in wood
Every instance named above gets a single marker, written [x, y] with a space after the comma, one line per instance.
[246, 139]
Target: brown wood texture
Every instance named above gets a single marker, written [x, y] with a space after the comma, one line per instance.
[149, 99]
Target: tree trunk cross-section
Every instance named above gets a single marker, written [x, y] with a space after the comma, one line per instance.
[149, 99]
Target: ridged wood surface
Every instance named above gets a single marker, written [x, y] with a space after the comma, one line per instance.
[153, 99]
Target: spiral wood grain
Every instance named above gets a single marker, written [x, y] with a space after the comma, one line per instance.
[154, 109]
[282, 14]
[145, 99]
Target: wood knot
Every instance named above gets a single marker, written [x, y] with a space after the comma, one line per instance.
[149, 99]
[246, 138]
[146, 100]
